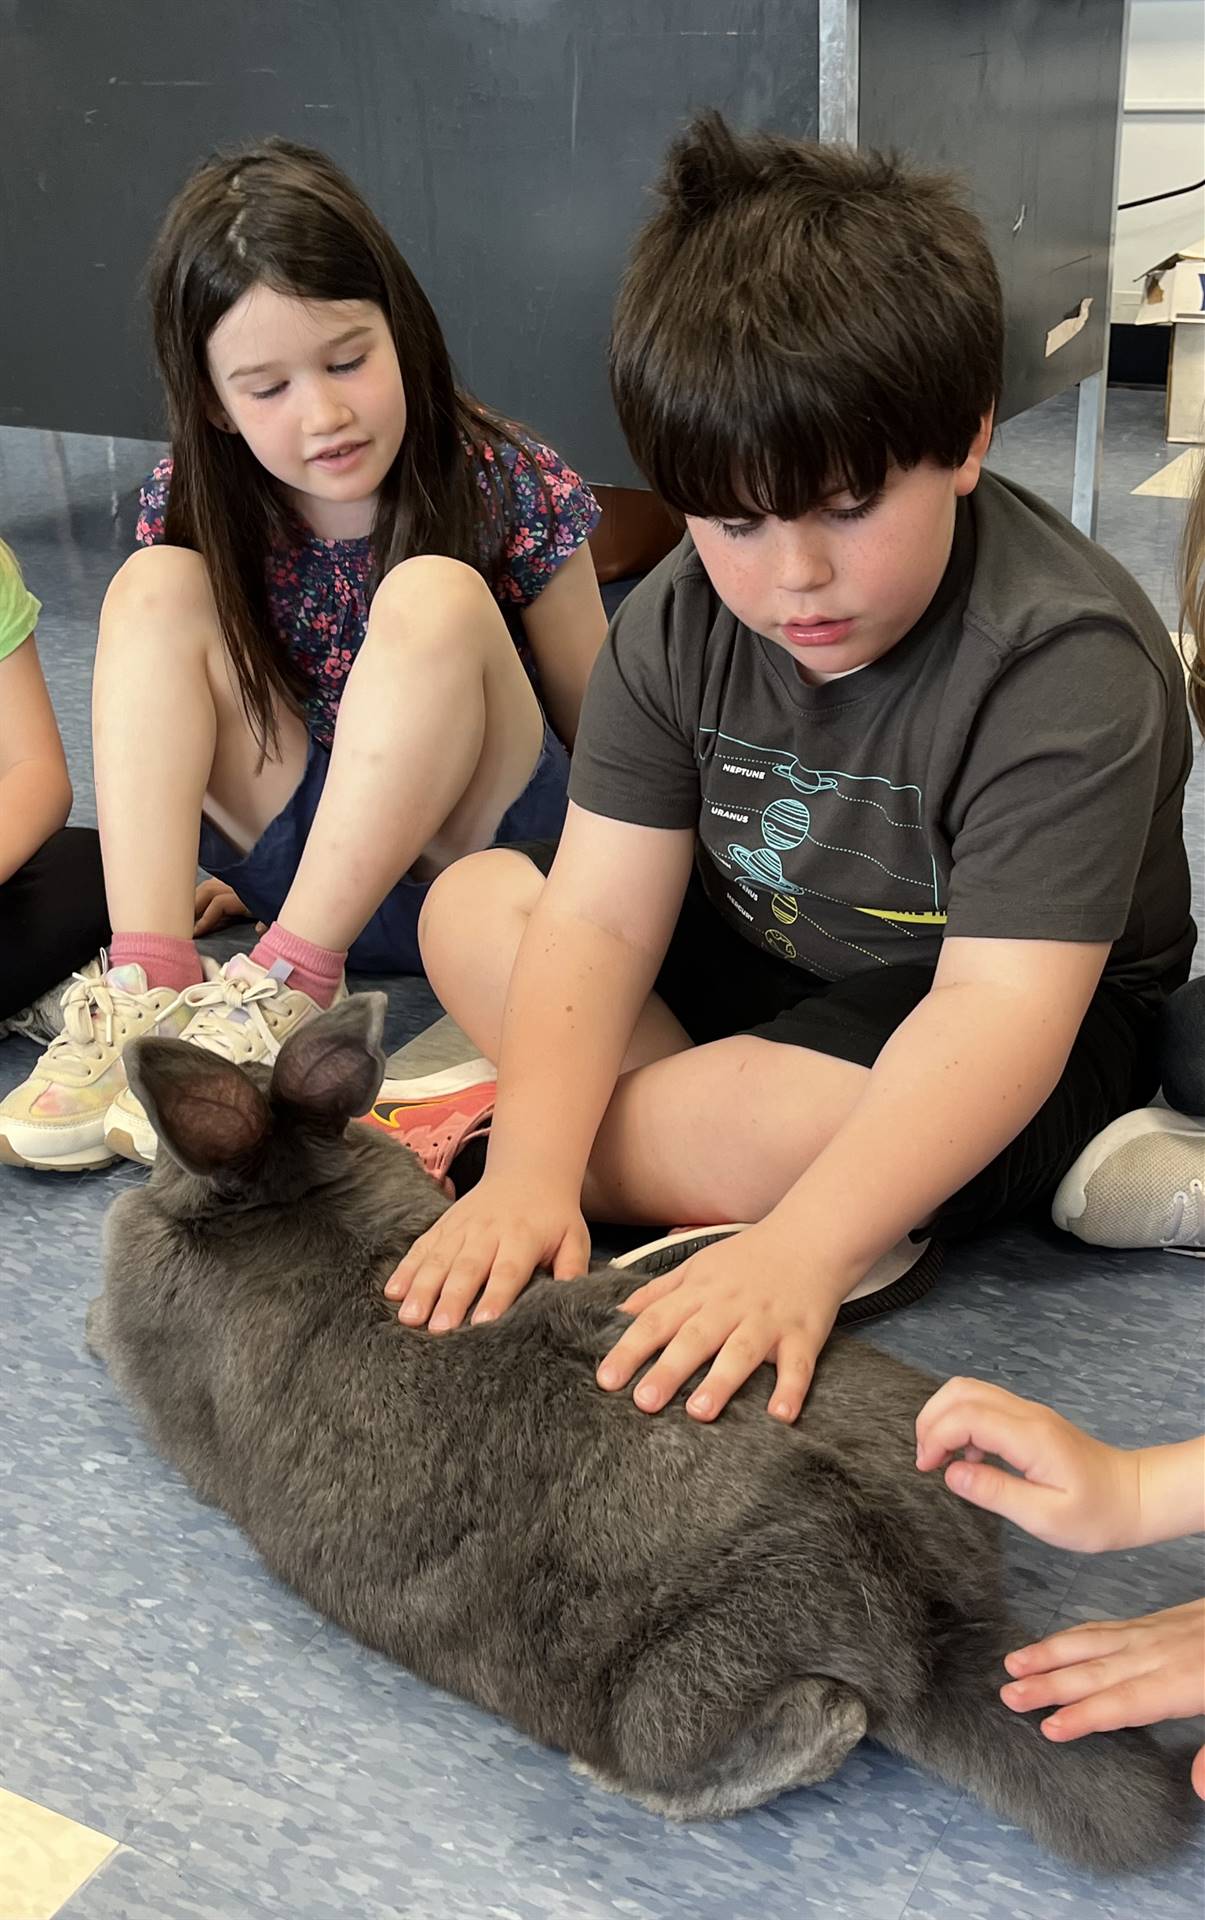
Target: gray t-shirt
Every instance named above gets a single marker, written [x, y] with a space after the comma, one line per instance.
[1013, 768]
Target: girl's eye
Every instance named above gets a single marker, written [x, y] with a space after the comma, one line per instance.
[737, 529]
[855, 513]
[344, 366]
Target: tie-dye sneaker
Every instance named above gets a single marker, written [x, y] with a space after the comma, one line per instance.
[55, 1120]
[244, 1012]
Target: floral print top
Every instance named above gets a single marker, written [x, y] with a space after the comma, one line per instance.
[318, 590]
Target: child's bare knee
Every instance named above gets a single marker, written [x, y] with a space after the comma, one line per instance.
[158, 593]
[430, 591]
[155, 577]
[474, 894]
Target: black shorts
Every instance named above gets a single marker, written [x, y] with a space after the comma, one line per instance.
[717, 984]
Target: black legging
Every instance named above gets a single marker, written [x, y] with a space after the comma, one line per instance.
[53, 917]
[1182, 1049]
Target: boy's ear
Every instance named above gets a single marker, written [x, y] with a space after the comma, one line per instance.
[331, 1067]
[204, 1109]
[966, 477]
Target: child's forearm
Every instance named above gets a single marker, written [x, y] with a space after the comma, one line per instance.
[35, 800]
[1171, 1492]
[954, 1085]
[574, 999]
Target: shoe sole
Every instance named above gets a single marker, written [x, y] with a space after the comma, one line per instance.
[662, 1255]
[1071, 1196]
[437, 1086]
[84, 1159]
[658, 1256]
[121, 1145]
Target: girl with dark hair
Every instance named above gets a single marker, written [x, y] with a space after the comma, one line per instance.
[352, 649]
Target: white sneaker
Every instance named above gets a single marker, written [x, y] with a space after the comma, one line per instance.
[904, 1273]
[55, 1120]
[245, 1012]
[1140, 1183]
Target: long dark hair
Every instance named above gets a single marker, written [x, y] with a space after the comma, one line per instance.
[285, 216]
[794, 318]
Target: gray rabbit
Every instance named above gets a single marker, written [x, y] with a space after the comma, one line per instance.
[702, 1616]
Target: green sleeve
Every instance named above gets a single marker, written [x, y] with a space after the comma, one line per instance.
[18, 611]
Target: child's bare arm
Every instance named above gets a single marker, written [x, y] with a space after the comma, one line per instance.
[954, 1085]
[35, 790]
[967, 1069]
[565, 627]
[585, 967]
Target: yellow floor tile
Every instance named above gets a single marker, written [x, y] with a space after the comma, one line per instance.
[44, 1857]
[1176, 480]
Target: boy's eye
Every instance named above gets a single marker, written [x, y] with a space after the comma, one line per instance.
[855, 513]
[736, 529]
[349, 366]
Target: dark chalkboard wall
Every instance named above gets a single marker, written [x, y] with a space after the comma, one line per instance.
[1022, 97]
[508, 144]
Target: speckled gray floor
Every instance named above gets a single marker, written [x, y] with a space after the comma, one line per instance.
[254, 1762]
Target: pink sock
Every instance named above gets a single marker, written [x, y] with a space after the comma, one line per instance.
[165, 961]
[313, 970]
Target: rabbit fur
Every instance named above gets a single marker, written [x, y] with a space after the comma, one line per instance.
[702, 1616]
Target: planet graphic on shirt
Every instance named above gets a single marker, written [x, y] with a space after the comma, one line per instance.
[804, 779]
[785, 823]
[761, 864]
[785, 909]
[780, 944]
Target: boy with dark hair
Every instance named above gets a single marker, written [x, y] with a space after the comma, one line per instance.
[873, 877]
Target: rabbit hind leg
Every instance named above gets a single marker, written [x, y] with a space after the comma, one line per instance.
[800, 1736]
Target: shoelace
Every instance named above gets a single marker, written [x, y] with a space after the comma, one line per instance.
[1185, 1223]
[216, 1001]
[85, 1003]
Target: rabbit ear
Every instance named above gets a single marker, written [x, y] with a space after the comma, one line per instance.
[331, 1067]
[205, 1110]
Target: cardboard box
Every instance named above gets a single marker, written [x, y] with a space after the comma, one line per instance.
[1174, 296]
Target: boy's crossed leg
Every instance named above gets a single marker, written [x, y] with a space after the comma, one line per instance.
[706, 1133]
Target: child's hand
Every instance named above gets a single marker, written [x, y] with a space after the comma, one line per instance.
[737, 1303]
[216, 904]
[495, 1237]
[1115, 1673]
[1075, 1491]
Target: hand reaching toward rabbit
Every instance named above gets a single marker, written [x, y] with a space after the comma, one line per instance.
[1073, 1491]
[1115, 1673]
[730, 1308]
[493, 1239]
[1068, 1489]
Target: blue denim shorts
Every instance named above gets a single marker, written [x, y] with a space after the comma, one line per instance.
[389, 943]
